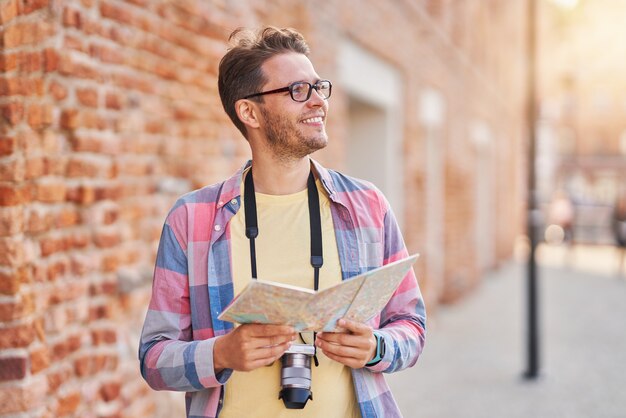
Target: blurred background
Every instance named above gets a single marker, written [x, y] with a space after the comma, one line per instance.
[109, 111]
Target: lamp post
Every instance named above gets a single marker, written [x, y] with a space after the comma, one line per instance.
[532, 365]
[534, 214]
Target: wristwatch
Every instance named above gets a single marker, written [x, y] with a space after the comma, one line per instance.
[380, 350]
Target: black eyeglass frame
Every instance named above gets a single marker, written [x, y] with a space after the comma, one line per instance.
[290, 88]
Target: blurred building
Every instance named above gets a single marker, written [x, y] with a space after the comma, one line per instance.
[110, 111]
[583, 102]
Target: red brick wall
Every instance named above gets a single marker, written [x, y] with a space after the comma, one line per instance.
[109, 111]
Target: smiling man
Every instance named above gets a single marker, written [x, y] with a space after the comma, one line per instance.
[301, 224]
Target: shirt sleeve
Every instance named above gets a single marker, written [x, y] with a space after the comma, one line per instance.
[169, 359]
[403, 320]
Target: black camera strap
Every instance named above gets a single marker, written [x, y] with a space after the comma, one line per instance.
[315, 223]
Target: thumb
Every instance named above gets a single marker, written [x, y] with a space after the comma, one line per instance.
[354, 327]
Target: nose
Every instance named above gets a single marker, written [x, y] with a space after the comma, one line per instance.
[316, 99]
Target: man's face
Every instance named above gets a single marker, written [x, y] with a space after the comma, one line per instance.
[293, 130]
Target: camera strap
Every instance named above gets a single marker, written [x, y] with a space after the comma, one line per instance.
[315, 223]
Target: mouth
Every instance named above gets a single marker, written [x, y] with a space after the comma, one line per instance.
[314, 120]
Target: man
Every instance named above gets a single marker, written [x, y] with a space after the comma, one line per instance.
[273, 95]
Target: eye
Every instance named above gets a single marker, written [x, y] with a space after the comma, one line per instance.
[300, 89]
[323, 88]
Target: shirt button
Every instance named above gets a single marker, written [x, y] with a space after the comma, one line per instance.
[233, 202]
[218, 227]
[220, 203]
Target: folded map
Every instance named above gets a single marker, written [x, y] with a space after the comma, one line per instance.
[359, 299]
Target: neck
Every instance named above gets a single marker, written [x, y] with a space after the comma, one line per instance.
[280, 178]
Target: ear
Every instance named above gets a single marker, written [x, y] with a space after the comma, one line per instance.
[248, 113]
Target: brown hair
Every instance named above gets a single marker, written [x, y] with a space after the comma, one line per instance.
[240, 72]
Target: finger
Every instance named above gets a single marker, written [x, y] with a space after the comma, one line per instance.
[273, 352]
[272, 359]
[352, 340]
[329, 337]
[274, 340]
[354, 327]
[359, 352]
[266, 353]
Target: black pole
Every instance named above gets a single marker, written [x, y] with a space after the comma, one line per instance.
[532, 370]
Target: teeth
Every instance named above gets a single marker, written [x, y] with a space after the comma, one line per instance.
[313, 120]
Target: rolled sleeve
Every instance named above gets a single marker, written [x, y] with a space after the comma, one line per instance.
[206, 369]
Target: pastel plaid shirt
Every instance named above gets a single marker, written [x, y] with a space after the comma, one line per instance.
[193, 284]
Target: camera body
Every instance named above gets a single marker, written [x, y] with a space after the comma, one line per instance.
[295, 376]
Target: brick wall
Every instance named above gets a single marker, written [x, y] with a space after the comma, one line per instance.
[109, 111]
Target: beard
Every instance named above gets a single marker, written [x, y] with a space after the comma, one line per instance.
[285, 139]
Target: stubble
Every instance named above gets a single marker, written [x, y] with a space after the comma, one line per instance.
[286, 141]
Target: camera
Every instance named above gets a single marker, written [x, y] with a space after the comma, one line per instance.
[295, 376]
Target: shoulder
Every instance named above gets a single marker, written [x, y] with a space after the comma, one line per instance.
[344, 183]
[207, 196]
[355, 190]
[337, 182]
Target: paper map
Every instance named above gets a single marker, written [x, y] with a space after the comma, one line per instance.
[358, 299]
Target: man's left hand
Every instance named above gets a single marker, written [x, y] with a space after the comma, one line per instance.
[354, 348]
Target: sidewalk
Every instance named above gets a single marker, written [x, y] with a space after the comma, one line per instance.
[475, 350]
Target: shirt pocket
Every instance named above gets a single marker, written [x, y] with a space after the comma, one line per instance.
[370, 248]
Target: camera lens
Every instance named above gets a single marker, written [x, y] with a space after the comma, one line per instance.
[295, 398]
[295, 378]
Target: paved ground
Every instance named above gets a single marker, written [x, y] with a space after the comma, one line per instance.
[475, 353]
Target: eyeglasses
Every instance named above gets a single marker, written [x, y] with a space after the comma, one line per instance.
[300, 91]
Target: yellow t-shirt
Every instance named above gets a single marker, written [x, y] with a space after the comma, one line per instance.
[283, 255]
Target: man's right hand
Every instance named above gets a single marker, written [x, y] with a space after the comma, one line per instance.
[251, 346]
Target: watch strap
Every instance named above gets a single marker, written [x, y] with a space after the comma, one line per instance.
[380, 350]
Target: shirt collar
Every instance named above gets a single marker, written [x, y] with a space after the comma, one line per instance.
[231, 188]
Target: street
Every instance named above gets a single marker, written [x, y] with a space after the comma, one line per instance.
[474, 358]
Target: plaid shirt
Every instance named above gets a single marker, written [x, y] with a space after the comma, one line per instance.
[193, 284]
